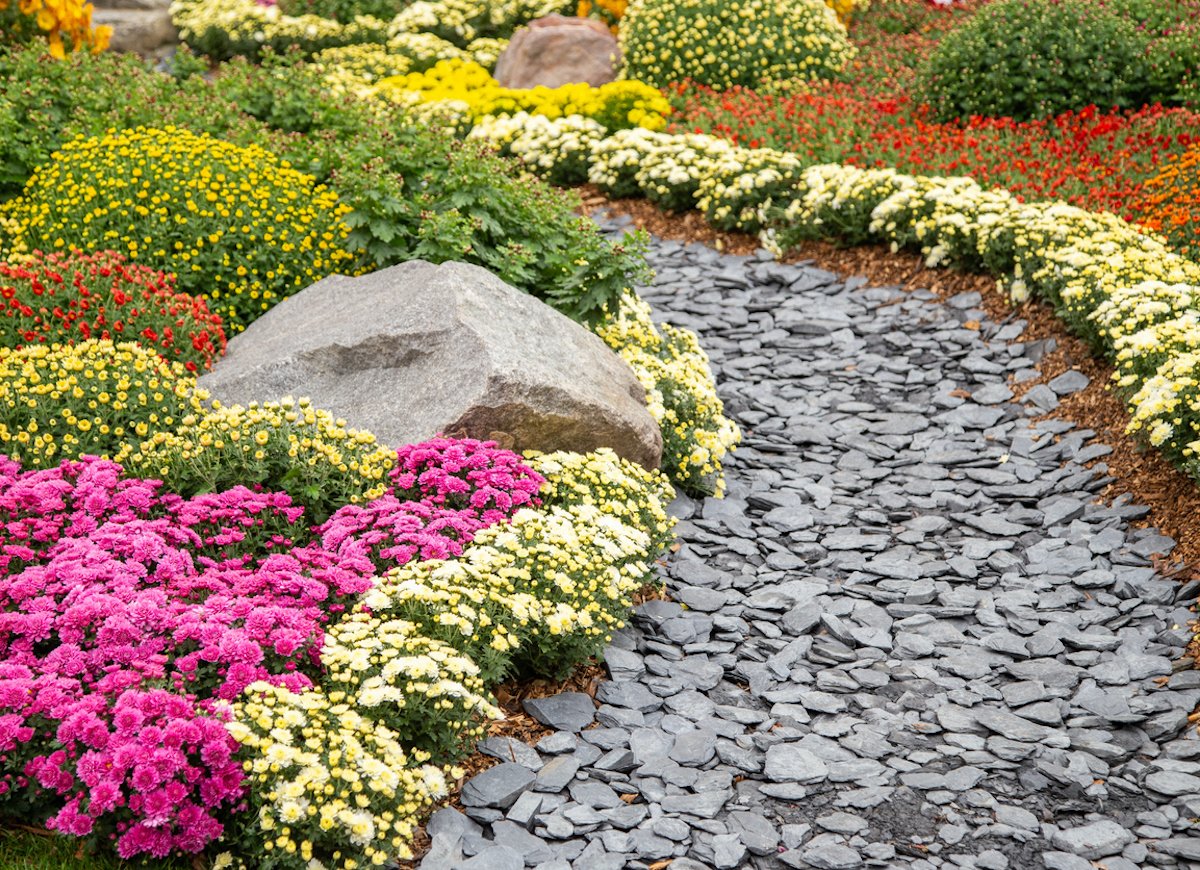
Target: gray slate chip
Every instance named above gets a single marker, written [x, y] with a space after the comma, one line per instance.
[566, 711]
[497, 787]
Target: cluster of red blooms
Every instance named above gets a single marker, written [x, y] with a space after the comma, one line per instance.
[1098, 159]
[69, 297]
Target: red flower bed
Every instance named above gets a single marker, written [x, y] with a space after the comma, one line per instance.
[1094, 158]
[73, 297]
[1091, 158]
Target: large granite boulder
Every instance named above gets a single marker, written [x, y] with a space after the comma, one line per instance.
[141, 26]
[557, 50]
[417, 349]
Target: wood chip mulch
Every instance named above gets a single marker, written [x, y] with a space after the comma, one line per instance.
[1172, 497]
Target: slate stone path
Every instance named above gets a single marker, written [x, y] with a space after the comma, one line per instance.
[910, 637]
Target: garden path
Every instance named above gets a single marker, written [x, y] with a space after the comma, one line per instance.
[914, 635]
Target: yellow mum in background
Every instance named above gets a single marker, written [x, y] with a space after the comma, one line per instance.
[723, 43]
[237, 225]
[617, 105]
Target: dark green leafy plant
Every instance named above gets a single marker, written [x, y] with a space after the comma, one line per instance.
[1027, 59]
[1034, 58]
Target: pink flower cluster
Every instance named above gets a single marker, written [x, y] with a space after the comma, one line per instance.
[149, 769]
[465, 473]
[443, 492]
[127, 614]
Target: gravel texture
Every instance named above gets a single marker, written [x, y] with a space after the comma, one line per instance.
[910, 636]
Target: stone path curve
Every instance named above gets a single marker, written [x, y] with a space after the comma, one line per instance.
[910, 636]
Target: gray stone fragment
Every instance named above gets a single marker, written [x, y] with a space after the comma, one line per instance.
[528, 805]
[1065, 861]
[566, 711]
[788, 762]
[508, 749]
[832, 856]
[1187, 848]
[705, 805]
[1069, 382]
[759, 835]
[556, 774]
[635, 696]
[1172, 783]
[497, 787]
[450, 823]
[623, 664]
[534, 850]
[594, 794]
[694, 748]
[1016, 817]
[558, 743]
[494, 858]
[1092, 841]
[842, 823]
[728, 851]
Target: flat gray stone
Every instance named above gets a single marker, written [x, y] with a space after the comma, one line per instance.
[788, 762]
[1093, 841]
[1069, 382]
[495, 858]
[566, 711]
[497, 787]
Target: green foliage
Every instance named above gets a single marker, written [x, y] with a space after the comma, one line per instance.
[723, 43]
[1035, 58]
[416, 193]
[413, 192]
[236, 225]
[26, 849]
[40, 96]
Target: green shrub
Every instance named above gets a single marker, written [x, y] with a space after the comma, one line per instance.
[723, 43]
[41, 95]
[412, 191]
[1034, 58]
[418, 193]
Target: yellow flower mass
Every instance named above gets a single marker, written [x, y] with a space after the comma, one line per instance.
[236, 225]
